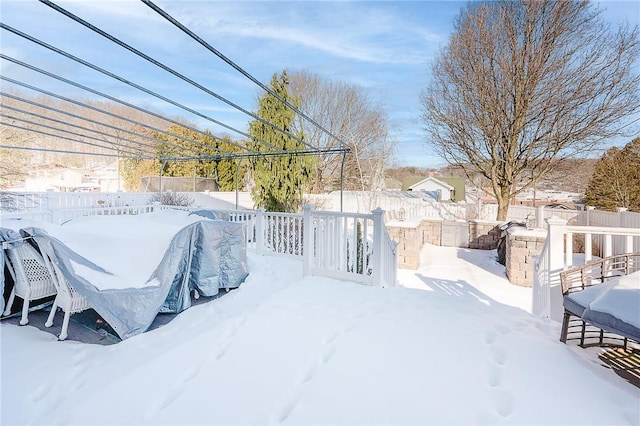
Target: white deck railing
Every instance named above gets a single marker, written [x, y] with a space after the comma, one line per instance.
[348, 246]
[570, 245]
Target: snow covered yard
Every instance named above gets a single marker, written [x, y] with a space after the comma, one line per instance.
[454, 344]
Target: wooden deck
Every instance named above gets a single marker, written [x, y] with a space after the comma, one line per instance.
[625, 363]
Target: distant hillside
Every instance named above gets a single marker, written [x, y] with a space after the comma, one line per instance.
[570, 176]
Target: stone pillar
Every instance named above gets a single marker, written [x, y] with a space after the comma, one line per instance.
[484, 234]
[522, 245]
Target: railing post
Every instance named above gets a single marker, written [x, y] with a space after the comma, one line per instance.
[307, 239]
[588, 220]
[394, 275]
[377, 273]
[540, 217]
[555, 260]
[259, 230]
[623, 245]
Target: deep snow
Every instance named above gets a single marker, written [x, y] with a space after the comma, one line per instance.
[455, 343]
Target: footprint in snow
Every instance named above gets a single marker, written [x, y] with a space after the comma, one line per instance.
[503, 328]
[287, 409]
[165, 401]
[328, 352]
[504, 402]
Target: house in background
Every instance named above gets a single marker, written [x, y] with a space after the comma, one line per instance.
[60, 178]
[442, 188]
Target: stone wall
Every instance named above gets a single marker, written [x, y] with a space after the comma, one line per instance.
[522, 245]
[484, 235]
[411, 237]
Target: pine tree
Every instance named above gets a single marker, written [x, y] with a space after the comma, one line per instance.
[616, 179]
[225, 169]
[171, 151]
[280, 181]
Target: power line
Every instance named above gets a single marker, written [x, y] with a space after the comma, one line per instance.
[46, 126]
[199, 157]
[88, 89]
[61, 151]
[125, 81]
[156, 141]
[53, 134]
[75, 125]
[169, 70]
[239, 69]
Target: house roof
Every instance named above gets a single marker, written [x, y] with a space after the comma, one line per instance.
[437, 181]
[457, 184]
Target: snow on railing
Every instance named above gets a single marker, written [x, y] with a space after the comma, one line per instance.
[61, 215]
[341, 245]
[348, 246]
[389, 260]
[573, 245]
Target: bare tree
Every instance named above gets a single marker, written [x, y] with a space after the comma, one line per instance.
[346, 111]
[524, 84]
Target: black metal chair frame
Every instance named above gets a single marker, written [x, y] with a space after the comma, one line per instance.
[590, 274]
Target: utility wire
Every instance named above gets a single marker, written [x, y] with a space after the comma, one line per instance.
[10, 117]
[135, 157]
[200, 157]
[152, 147]
[125, 81]
[235, 66]
[46, 126]
[7, 95]
[88, 89]
[60, 151]
[170, 70]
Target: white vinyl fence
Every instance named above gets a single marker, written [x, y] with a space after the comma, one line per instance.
[33, 201]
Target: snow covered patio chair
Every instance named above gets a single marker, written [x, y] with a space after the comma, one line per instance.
[600, 302]
[30, 274]
[67, 298]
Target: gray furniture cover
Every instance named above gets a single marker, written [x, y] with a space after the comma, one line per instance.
[204, 256]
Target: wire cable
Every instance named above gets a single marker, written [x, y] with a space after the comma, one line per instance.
[28, 86]
[153, 147]
[52, 134]
[235, 66]
[170, 70]
[125, 81]
[60, 151]
[46, 126]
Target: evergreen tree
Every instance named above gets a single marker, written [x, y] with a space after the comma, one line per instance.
[133, 170]
[280, 181]
[616, 179]
[176, 148]
[225, 168]
[212, 159]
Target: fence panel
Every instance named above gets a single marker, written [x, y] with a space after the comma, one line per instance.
[342, 245]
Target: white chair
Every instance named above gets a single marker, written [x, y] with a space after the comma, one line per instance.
[67, 298]
[30, 274]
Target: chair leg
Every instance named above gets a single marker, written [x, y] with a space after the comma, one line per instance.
[565, 327]
[52, 314]
[65, 325]
[12, 296]
[24, 320]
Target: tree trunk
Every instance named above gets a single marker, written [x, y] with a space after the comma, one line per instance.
[503, 207]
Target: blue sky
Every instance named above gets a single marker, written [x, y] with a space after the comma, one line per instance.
[385, 47]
